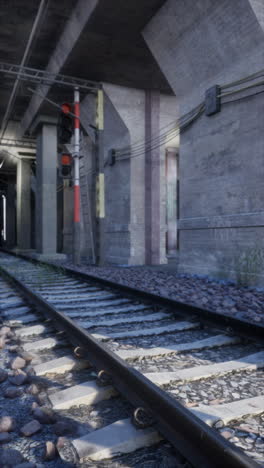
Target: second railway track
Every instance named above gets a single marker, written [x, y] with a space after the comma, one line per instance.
[195, 383]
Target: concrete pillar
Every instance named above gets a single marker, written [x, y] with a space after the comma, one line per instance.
[46, 190]
[172, 202]
[11, 215]
[152, 179]
[23, 204]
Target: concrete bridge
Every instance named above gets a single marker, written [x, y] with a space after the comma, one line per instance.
[194, 196]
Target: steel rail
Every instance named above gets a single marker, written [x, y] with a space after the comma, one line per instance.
[198, 443]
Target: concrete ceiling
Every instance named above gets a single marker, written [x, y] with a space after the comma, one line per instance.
[109, 49]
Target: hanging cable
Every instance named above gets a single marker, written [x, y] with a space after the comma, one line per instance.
[175, 127]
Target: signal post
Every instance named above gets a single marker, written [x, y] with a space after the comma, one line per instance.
[65, 132]
[76, 159]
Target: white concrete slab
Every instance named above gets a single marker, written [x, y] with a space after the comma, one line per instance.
[6, 294]
[30, 331]
[93, 305]
[118, 321]
[60, 365]
[250, 362]
[81, 298]
[169, 328]
[23, 320]
[67, 289]
[17, 311]
[111, 310]
[117, 438]
[77, 296]
[86, 393]
[47, 343]
[218, 340]
[229, 411]
[11, 304]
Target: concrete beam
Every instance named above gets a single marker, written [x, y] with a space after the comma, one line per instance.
[72, 31]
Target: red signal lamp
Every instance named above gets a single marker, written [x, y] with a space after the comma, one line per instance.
[66, 108]
[65, 165]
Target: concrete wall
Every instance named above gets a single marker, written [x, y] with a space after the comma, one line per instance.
[199, 44]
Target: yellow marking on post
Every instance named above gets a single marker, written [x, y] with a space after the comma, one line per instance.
[100, 110]
[100, 196]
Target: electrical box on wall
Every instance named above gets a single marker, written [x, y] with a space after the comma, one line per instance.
[212, 100]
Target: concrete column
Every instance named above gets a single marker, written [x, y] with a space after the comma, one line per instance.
[23, 204]
[46, 192]
[11, 215]
[152, 179]
[172, 202]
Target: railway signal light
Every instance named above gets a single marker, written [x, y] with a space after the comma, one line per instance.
[65, 124]
[65, 166]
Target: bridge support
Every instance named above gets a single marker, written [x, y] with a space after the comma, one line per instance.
[46, 190]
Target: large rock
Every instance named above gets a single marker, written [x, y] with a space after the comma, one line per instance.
[5, 437]
[50, 451]
[33, 389]
[13, 392]
[19, 378]
[31, 428]
[62, 428]
[27, 356]
[3, 375]
[44, 415]
[5, 331]
[2, 342]
[18, 363]
[7, 424]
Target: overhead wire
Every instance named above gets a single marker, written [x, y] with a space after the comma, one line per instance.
[159, 141]
[171, 127]
[244, 80]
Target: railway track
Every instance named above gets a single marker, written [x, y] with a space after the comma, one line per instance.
[193, 380]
